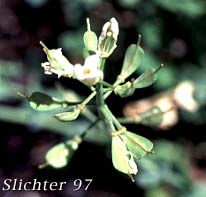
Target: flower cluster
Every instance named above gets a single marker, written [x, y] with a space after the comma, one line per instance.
[90, 72]
[127, 147]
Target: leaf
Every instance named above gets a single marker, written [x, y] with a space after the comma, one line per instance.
[152, 117]
[43, 102]
[147, 78]
[138, 145]
[68, 116]
[120, 157]
[59, 155]
[132, 60]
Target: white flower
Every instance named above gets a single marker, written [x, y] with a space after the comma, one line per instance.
[108, 38]
[89, 73]
[47, 68]
[58, 63]
[110, 29]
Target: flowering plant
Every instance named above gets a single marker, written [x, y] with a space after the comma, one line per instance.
[127, 147]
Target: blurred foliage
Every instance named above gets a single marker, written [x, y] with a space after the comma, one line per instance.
[190, 8]
[36, 3]
[168, 173]
[152, 117]
[8, 72]
[72, 41]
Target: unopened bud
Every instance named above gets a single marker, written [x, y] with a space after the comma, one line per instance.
[90, 39]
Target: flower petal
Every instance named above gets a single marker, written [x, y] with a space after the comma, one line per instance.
[108, 38]
[92, 61]
[89, 73]
[115, 28]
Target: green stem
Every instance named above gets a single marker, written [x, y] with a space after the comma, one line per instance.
[102, 64]
[107, 90]
[83, 134]
[99, 86]
[127, 120]
[112, 117]
[104, 112]
[114, 85]
[101, 103]
[43, 45]
[107, 84]
[89, 115]
[100, 100]
[89, 98]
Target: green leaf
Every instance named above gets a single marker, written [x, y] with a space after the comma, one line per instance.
[120, 157]
[59, 155]
[43, 102]
[132, 60]
[152, 117]
[68, 116]
[90, 41]
[138, 145]
[147, 78]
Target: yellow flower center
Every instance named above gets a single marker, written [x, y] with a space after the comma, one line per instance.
[87, 71]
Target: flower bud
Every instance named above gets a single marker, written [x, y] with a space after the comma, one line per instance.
[90, 39]
[124, 90]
